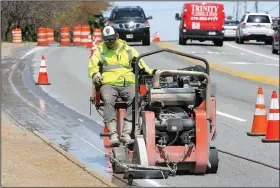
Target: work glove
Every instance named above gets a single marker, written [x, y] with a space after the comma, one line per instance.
[97, 79]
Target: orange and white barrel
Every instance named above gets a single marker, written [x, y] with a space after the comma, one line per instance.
[17, 35]
[97, 35]
[50, 35]
[64, 36]
[77, 35]
[85, 31]
[42, 39]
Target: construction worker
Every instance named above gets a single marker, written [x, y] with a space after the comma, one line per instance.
[110, 67]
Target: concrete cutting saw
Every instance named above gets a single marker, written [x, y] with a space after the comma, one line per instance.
[174, 121]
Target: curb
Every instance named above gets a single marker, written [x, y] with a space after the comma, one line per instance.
[64, 153]
[73, 159]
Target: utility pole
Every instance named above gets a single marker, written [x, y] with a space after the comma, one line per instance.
[237, 9]
[245, 6]
[256, 6]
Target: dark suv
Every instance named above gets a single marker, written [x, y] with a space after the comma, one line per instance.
[131, 23]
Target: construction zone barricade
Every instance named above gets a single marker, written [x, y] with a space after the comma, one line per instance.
[93, 48]
[50, 35]
[42, 39]
[17, 35]
[43, 75]
[89, 43]
[64, 36]
[77, 35]
[85, 31]
[260, 116]
[272, 131]
[97, 35]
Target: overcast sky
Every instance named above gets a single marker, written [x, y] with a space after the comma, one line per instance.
[163, 13]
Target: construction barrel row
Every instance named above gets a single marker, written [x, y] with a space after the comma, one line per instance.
[81, 36]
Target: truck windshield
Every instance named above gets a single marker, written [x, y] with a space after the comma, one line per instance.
[118, 15]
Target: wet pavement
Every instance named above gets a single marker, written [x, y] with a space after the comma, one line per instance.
[35, 110]
[64, 127]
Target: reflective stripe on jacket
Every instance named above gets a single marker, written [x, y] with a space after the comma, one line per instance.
[115, 65]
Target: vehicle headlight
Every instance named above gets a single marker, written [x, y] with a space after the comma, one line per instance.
[111, 24]
[145, 24]
[116, 26]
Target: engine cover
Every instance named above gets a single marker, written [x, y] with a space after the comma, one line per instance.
[173, 96]
[175, 124]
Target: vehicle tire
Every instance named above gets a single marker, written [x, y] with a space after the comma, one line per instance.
[268, 42]
[241, 40]
[236, 40]
[219, 42]
[274, 51]
[214, 160]
[182, 41]
[146, 41]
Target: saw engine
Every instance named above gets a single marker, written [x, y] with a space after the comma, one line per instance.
[174, 104]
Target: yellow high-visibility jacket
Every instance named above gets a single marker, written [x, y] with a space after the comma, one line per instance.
[115, 65]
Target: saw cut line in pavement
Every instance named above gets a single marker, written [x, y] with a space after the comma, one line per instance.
[247, 159]
[251, 52]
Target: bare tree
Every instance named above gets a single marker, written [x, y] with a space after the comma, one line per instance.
[30, 15]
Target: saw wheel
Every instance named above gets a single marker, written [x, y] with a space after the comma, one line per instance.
[140, 152]
[120, 154]
[140, 156]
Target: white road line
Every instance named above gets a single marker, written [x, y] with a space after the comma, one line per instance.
[230, 116]
[252, 52]
[153, 182]
[247, 63]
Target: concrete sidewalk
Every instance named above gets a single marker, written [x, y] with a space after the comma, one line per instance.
[30, 160]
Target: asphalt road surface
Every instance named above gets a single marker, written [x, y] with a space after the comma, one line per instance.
[70, 89]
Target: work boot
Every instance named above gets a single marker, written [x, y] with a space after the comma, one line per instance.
[113, 135]
[127, 128]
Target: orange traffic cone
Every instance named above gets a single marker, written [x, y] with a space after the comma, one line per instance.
[260, 119]
[105, 131]
[43, 75]
[272, 132]
[153, 37]
[157, 38]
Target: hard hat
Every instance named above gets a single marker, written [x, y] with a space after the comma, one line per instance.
[109, 34]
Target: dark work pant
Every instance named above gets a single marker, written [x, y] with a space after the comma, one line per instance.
[110, 93]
